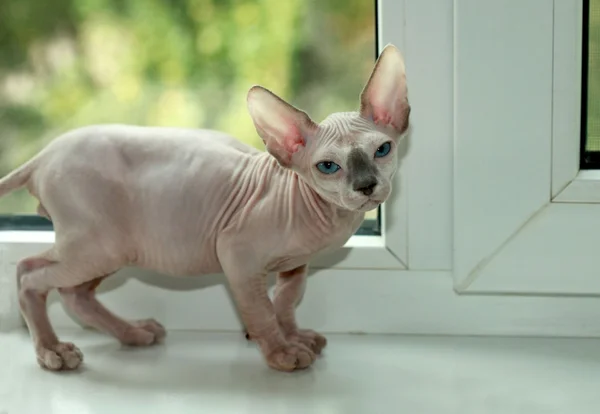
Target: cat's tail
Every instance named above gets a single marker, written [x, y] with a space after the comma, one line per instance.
[17, 178]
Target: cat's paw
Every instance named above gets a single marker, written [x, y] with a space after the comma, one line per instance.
[60, 357]
[143, 333]
[290, 357]
[152, 325]
[311, 339]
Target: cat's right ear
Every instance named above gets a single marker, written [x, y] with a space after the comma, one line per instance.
[283, 128]
[384, 100]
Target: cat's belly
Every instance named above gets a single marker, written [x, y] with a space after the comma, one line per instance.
[289, 262]
[182, 268]
[179, 259]
[284, 264]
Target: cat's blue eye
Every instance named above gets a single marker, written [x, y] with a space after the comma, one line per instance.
[327, 167]
[383, 150]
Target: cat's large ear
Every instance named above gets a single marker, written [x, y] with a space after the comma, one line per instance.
[283, 128]
[385, 97]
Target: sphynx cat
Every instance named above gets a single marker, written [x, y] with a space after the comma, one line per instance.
[192, 202]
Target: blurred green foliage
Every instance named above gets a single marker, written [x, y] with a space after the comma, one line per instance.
[189, 63]
[593, 116]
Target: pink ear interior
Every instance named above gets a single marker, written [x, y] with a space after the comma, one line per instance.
[282, 127]
[385, 97]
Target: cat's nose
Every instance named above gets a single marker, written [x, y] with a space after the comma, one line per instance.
[366, 187]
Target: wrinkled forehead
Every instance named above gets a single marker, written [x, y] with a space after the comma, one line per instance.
[347, 131]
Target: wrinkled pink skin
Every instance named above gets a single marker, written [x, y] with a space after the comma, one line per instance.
[193, 202]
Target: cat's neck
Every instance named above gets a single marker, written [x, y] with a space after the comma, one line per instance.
[322, 208]
[327, 215]
[300, 200]
[331, 226]
[294, 207]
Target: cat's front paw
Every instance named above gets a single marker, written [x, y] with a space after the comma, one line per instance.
[290, 357]
[309, 338]
[60, 356]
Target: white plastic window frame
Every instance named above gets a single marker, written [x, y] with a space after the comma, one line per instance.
[526, 219]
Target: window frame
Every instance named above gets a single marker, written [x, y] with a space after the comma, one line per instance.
[542, 243]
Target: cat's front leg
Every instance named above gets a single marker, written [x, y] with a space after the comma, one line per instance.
[249, 290]
[288, 291]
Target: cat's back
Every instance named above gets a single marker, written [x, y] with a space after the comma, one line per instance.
[148, 142]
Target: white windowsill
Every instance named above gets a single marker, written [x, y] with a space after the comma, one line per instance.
[585, 188]
[26, 236]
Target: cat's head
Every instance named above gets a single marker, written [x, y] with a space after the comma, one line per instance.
[350, 158]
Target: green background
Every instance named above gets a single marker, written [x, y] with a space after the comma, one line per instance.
[189, 63]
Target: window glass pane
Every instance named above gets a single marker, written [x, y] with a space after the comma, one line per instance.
[591, 102]
[185, 63]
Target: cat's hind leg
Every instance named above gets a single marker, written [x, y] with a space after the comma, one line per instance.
[82, 301]
[61, 267]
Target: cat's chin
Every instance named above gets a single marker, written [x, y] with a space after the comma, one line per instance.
[369, 205]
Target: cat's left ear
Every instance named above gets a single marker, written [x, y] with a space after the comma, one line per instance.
[385, 97]
[283, 128]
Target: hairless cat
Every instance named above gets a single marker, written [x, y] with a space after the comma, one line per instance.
[192, 202]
